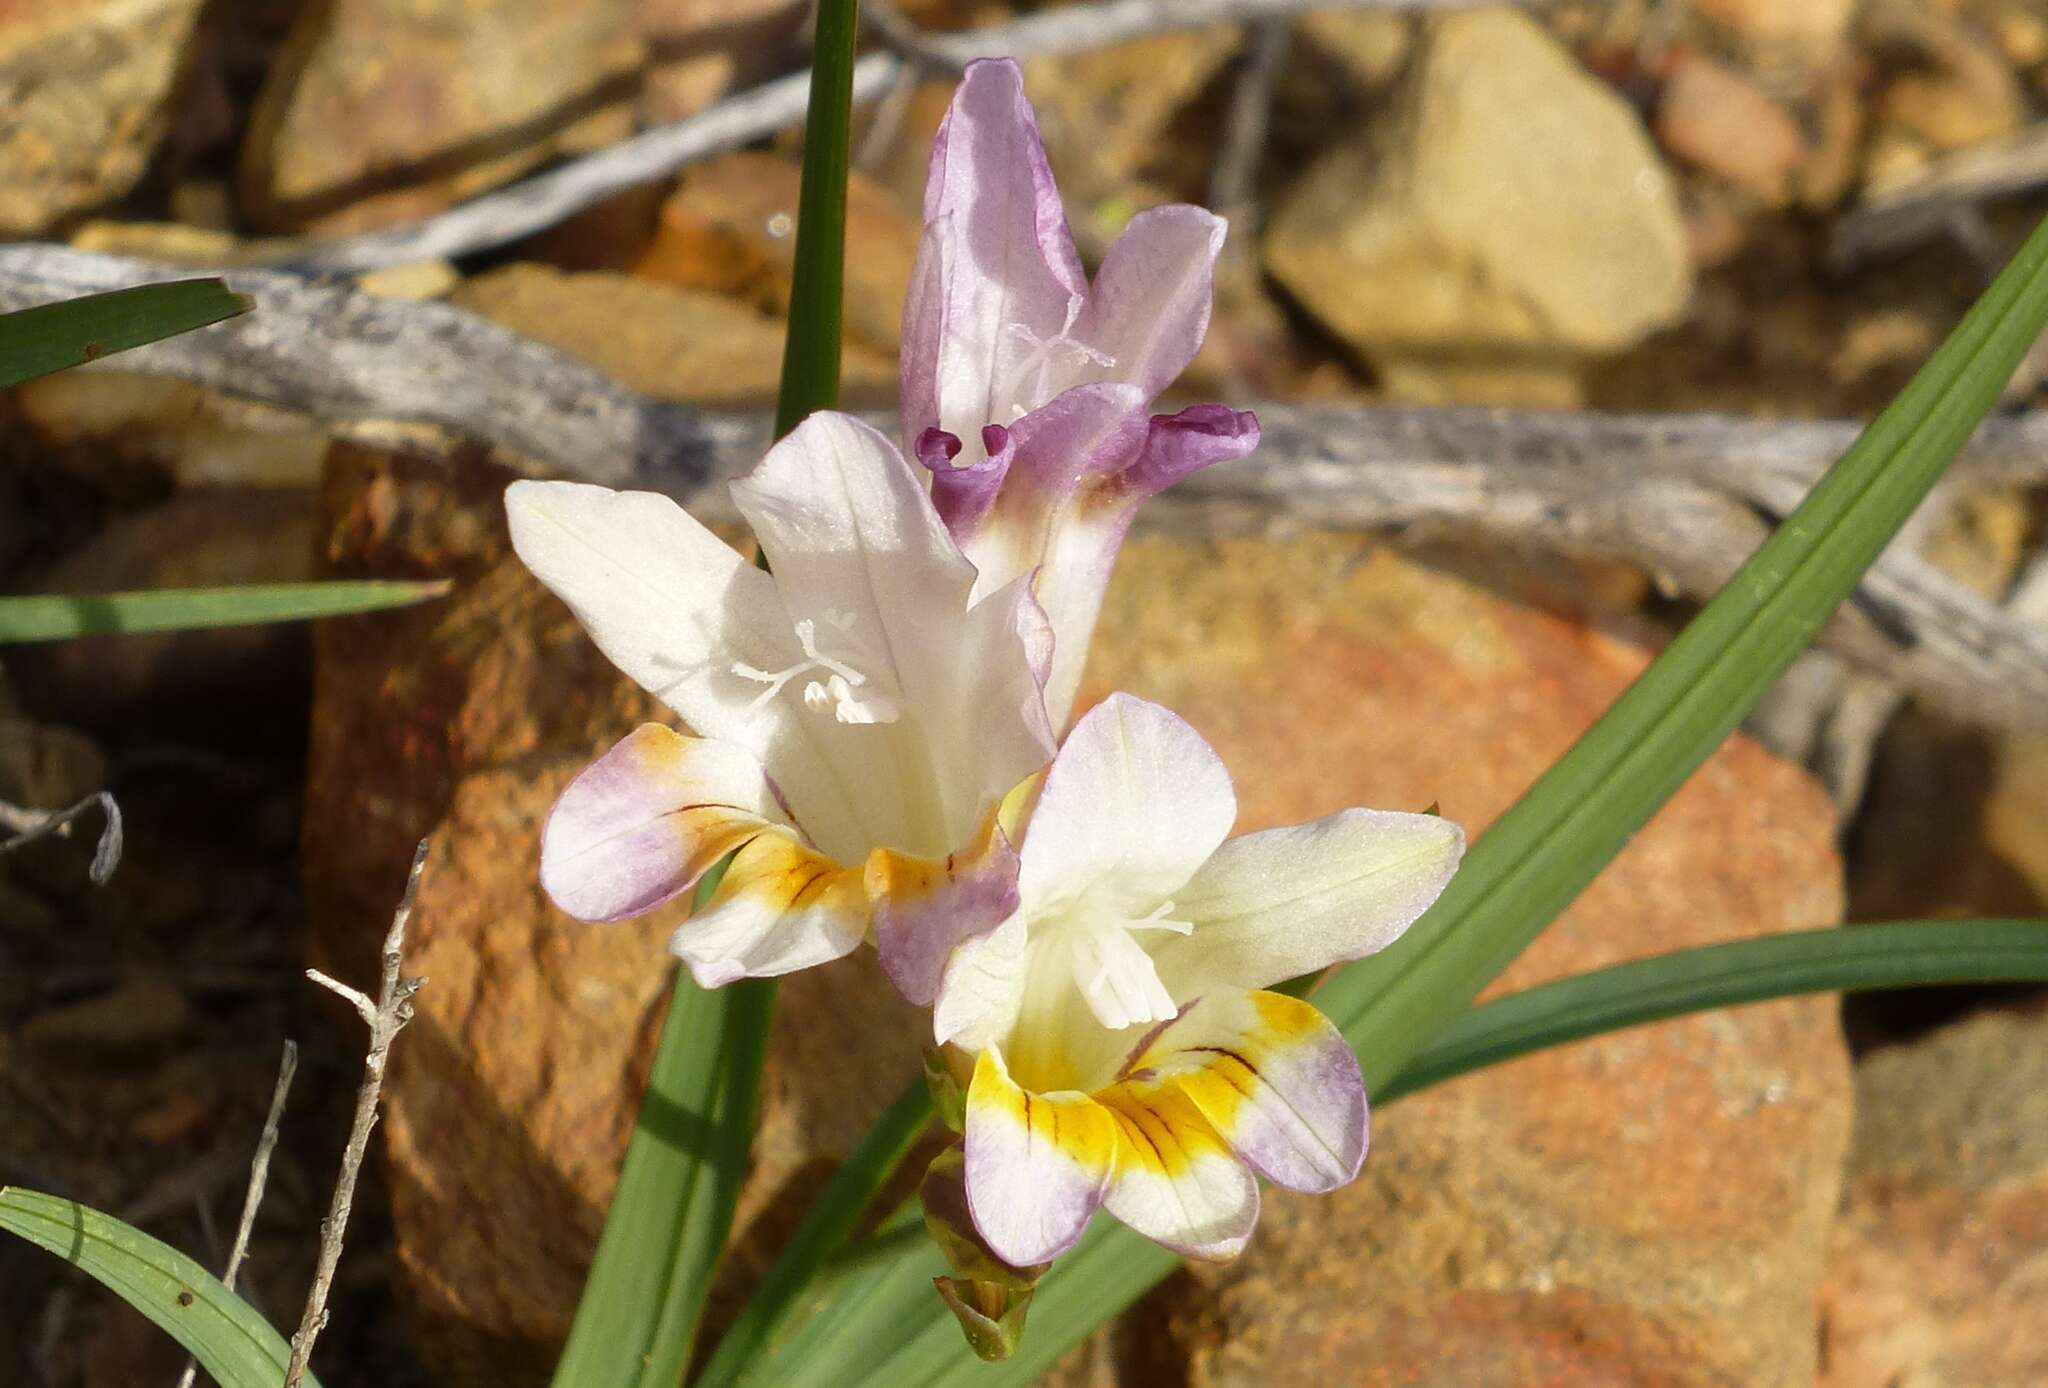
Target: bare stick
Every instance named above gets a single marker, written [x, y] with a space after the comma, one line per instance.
[546, 199]
[385, 1017]
[1893, 220]
[259, 1177]
[24, 826]
[1233, 180]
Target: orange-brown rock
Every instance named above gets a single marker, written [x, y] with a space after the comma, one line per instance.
[1935, 1273]
[731, 229]
[514, 1091]
[1716, 119]
[380, 111]
[1649, 1208]
[1649, 1205]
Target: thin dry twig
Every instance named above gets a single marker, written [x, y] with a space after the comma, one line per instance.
[508, 214]
[259, 1177]
[24, 826]
[385, 1018]
[1232, 181]
[1944, 198]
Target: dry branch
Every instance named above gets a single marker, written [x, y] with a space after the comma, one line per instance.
[385, 1017]
[548, 198]
[1688, 497]
[259, 1177]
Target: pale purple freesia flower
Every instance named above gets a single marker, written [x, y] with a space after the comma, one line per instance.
[1027, 390]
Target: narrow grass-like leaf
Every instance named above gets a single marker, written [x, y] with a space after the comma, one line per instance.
[50, 337]
[1568, 826]
[810, 354]
[220, 1330]
[58, 617]
[828, 1224]
[1112, 1266]
[636, 1322]
[1847, 959]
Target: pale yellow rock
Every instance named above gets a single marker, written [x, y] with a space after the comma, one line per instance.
[417, 282]
[84, 95]
[674, 344]
[1509, 205]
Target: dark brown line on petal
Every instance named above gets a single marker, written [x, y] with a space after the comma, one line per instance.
[796, 897]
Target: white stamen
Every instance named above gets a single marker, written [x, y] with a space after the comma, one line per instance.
[1039, 359]
[835, 692]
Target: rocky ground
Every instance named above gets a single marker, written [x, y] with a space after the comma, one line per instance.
[1621, 205]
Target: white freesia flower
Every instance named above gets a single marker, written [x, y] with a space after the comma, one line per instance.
[858, 719]
[1124, 1052]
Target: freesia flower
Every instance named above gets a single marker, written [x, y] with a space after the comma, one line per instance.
[858, 718]
[1026, 389]
[1125, 1053]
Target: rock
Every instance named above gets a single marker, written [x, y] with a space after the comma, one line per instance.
[1672, 1184]
[200, 539]
[514, 1092]
[1106, 114]
[1510, 212]
[138, 1017]
[103, 424]
[704, 49]
[88, 86]
[1648, 1208]
[1716, 119]
[380, 111]
[1774, 26]
[1371, 47]
[1935, 1273]
[731, 229]
[674, 344]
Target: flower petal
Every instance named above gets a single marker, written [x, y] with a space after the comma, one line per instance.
[1176, 1182]
[1080, 548]
[1274, 1078]
[981, 991]
[668, 602]
[1133, 805]
[1149, 308]
[780, 907]
[1286, 902]
[854, 541]
[1037, 1164]
[648, 818]
[997, 272]
[925, 908]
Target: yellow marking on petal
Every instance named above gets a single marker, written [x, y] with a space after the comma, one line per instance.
[1221, 1081]
[1163, 1132]
[1068, 1122]
[775, 871]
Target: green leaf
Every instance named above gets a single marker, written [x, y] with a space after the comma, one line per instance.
[50, 337]
[220, 1330]
[636, 1322]
[810, 357]
[57, 617]
[1846, 959]
[827, 1225]
[1554, 840]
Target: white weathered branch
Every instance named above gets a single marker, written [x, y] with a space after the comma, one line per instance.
[1688, 497]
